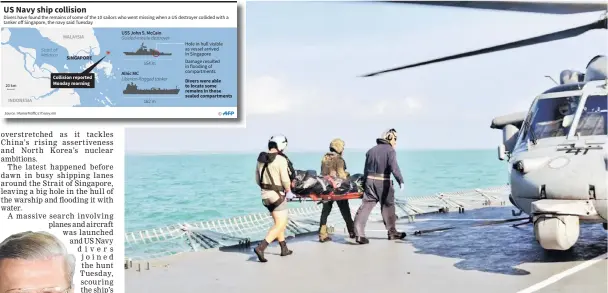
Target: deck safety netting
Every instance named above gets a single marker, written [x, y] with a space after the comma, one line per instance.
[195, 236]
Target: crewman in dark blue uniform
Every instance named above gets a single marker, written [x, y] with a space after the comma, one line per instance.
[380, 163]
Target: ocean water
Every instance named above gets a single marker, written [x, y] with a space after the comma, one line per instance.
[161, 190]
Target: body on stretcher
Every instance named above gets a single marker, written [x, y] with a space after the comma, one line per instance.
[330, 196]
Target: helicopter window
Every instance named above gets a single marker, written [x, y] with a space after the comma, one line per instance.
[525, 128]
[593, 118]
[549, 114]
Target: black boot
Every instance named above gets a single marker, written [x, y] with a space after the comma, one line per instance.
[361, 240]
[284, 250]
[396, 236]
[259, 250]
[351, 231]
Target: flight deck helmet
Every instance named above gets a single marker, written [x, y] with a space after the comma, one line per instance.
[277, 141]
[390, 136]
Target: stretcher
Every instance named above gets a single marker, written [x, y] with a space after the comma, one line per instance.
[326, 197]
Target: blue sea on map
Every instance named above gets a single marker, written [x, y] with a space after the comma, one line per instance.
[109, 86]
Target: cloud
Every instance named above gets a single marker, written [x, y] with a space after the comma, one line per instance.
[268, 95]
[412, 104]
[409, 106]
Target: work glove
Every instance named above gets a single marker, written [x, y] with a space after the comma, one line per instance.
[290, 195]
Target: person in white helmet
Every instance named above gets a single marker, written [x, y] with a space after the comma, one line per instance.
[275, 174]
[380, 163]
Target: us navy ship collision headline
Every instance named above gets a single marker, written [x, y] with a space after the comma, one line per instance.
[45, 9]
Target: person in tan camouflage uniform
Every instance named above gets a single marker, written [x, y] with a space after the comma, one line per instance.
[334, 165]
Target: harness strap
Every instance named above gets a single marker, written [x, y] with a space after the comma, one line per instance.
[272, 186]
[292, 171]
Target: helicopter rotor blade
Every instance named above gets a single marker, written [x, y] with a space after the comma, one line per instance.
[549, 7]
[560, 35]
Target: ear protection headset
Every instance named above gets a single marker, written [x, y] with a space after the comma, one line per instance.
[391, 134]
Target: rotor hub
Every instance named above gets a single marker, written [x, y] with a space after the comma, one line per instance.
[596, 69]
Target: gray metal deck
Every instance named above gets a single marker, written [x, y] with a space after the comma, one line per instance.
[494, 259]
[304, 218]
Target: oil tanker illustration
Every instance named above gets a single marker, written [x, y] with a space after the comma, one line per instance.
[144, 51]
[133, 90]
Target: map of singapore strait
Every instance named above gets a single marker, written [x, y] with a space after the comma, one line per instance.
[119, 67]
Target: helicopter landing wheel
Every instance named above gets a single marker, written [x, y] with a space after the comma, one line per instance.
[556, 232]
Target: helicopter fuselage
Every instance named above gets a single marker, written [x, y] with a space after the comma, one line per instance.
[555, 170]
[558, 163]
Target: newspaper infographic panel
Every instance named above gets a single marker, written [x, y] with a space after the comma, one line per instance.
[119, 60]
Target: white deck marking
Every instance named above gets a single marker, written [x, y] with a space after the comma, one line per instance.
[568, 272]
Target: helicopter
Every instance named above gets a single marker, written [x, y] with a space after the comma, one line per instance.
[556, 151]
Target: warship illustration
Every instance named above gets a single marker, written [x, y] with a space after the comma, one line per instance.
[144, 51]
[133, 90]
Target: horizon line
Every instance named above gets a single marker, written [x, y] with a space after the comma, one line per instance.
[245, 152]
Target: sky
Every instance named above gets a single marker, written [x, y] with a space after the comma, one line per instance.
[304, 59]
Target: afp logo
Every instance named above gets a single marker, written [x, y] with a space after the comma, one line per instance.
[225, 113]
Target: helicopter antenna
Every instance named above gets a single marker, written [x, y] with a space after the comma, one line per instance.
[551, 78]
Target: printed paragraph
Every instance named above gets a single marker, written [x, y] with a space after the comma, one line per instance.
[66, 180]
[91, 19]
[202, 59]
